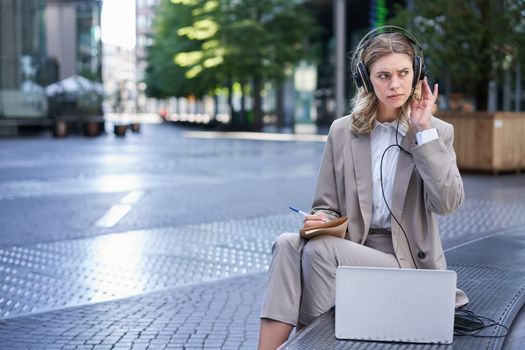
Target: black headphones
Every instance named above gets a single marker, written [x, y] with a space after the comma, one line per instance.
[361, 74]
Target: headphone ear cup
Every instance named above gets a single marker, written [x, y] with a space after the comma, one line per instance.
[358, 80]
[362, 78]
[419, 70]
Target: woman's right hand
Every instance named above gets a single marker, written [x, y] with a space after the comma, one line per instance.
[313, 220]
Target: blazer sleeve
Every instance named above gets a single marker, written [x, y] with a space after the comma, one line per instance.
[436, 164]
[325, 196]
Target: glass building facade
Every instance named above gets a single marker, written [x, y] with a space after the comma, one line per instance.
[42, 42]
[23, 59]
[89, 44]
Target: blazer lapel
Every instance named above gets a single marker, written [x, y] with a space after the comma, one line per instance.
[363, 175]
[404, 169]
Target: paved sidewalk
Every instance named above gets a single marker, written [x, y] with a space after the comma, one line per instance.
[46, 276]
[218, 315]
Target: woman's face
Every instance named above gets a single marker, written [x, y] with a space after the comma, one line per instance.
[391, 76]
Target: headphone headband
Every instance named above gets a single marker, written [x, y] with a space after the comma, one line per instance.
[389, 29]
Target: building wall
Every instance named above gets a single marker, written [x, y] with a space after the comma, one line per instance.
[145, 12]
[61, 30]
[89, 44]
[73, 37]
[10, 44]
[22, 59]
[119, 79]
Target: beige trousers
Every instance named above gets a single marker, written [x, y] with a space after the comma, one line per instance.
[301, 278]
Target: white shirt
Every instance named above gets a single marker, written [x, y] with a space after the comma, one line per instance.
[382, 136]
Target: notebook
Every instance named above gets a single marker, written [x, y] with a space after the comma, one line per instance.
[400, 305]
[336, 227]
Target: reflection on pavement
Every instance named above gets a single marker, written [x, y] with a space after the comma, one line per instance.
[116, 266]
[46, 276]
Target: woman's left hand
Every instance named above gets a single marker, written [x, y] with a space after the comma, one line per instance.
[422, 110]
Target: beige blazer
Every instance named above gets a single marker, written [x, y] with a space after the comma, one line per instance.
[426, 183]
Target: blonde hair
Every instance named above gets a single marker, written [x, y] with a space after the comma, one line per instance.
[365, 104]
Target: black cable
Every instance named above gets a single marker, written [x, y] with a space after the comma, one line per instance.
[388, 207]
[467, 323]
[383, 192]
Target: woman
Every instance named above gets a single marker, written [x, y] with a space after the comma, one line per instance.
[390, 167]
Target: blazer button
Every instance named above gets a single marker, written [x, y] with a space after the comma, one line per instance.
[421, 255]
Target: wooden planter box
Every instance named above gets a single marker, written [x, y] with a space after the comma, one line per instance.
[488, 141]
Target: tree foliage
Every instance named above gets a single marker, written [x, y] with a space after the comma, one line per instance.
[164, 78]
[202, 44]
[469, 41]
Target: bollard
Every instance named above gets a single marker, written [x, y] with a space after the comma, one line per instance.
[92, 129]
[135, 127]
[59, 128]
[120, 130]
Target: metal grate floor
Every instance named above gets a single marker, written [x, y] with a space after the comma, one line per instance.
[47, 276]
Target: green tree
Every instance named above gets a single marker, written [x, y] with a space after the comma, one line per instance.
[164, 78]
[470, 42]
[214, 43]
[265, 38]
[205, 61]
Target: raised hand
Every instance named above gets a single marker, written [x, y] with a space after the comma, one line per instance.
[422, 110]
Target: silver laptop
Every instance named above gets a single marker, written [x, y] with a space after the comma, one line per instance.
[400, 305]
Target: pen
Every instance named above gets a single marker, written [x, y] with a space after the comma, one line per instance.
[305, 213]
[299, 211]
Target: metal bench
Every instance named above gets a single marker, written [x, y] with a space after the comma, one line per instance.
[490, 270]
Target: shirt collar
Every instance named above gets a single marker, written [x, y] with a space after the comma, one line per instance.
[403, 128]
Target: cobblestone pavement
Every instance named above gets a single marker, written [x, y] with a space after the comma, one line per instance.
[179, 227]
[219, 315]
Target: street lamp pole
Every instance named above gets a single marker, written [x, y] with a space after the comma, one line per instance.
[339, 7]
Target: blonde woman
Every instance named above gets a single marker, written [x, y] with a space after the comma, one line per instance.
[390, 167]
